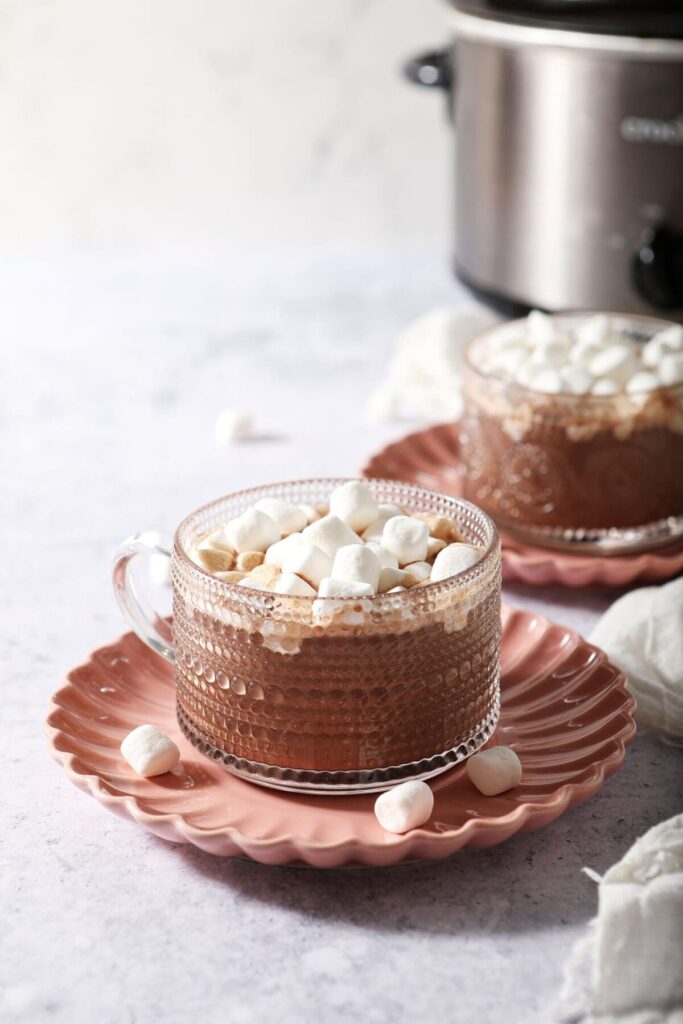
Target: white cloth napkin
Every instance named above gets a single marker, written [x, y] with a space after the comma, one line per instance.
[642, 633]
[628, 969]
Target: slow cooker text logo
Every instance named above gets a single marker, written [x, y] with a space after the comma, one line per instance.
[653, 129]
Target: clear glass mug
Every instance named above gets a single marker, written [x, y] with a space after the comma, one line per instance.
[581, 472]
[339, 695]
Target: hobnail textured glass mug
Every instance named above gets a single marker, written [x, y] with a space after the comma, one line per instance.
[333, 694]
[590, 472]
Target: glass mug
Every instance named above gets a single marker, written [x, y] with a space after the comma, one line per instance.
[328, 694]
[580, 472]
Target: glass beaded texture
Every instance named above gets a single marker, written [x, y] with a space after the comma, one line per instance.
[343, 694]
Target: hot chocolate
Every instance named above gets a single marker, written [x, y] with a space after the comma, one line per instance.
[577, 437]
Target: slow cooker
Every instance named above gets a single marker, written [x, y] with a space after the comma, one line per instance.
[568, 118]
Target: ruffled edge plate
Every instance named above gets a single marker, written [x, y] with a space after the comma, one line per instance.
[565, 709]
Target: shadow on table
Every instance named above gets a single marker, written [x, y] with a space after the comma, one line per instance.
[533, 880]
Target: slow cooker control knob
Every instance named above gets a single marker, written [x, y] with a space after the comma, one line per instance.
[658, 268]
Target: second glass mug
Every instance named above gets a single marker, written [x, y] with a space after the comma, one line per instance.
[337, 695]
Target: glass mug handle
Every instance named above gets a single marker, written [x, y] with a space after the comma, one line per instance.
[154, 630]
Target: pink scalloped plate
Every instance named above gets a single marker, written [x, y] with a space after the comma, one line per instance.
[431, 458]
[565, 710]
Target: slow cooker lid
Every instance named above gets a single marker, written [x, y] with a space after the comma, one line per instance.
[657, 19]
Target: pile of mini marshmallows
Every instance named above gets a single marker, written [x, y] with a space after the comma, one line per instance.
[356, 548]
[592, 357]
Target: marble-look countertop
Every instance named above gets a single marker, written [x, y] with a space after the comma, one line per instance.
[112, 373]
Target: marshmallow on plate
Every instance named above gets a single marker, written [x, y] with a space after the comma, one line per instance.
[330, 587]
[357, 563]
[252, 531]
[329, 534]
[453, 559]
[494, 770]
[407, 538]
[290, 583]
[306, 560]
[289, 518]
[354, 504]
[149, 751]
[406, 806]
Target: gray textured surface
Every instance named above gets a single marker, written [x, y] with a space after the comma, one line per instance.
[113, 373]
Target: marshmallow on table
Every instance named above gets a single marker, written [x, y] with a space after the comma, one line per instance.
[407, 538]
[252, 531]
[453, 559]
[291, 584]
[308, 561]
[353, 503]
[289, 518]
[406, 806]
[356, 563]
[149, 751]
[330, 587]
[329, 534]
[494, 770]
[233, 425]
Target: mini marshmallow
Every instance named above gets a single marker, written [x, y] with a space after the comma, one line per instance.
[289, 518]
[233, 425]
[595, 331]
[252, 531]
[329, 534]
[262, 576]
[553, 355]
[290, 583]
[248, 560]
[434, 545]
[149, 751]
[453, 559]
[375, 529]
[310, 512]
[548, 381]
[233, 576]
[357, 563]
[616, 359]
[668, 340]
[404, 807]
[494, 770]
[441, 527]
[276, 553]
[407, 538]
[390, 579]
[605, 387]
[576, 379]
[540, 328]
[215, 559]
[387, 559]
[671, 369]
[420, 571]
[353, 503]
[329, 587]
[644, 380]
[306, 560]
[218, 539]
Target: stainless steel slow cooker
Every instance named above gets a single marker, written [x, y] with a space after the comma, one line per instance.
[568, 118]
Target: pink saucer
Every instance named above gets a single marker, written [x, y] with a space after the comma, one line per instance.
[565, 710]
[431, 458]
